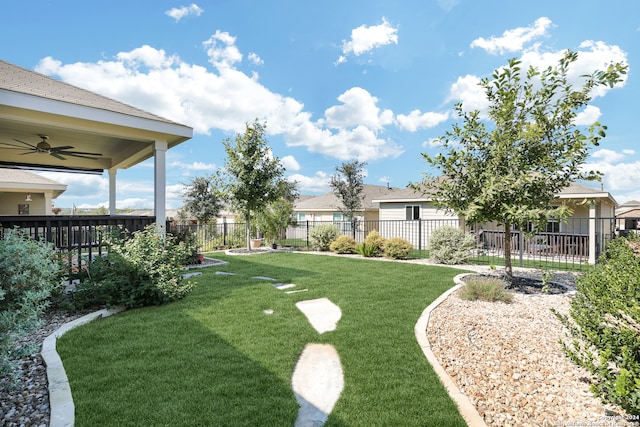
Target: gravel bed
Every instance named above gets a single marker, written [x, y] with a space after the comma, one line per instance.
[28, 403]
[507, 359]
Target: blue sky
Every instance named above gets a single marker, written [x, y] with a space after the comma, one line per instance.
[334, 80]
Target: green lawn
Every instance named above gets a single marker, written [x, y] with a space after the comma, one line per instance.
[216, 359]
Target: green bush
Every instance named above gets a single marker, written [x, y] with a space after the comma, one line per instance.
[604, 322]
[343, 245]
[397, 248]
[321, 236]
[485, 289]
[450, 245]
[140, 270]
[375, 243]
[30, 272]
[365, 250]
[188, 238]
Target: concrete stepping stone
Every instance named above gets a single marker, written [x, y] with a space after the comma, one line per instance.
[317, 383]
[296, 291]
[321, 313]
[225, 273]
[190, 275]
[283, 286]
[264, 278]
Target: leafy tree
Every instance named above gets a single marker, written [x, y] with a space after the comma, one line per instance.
[347, 186]
[278, 214]
[509, 168]
[252, 177]
[201, 199]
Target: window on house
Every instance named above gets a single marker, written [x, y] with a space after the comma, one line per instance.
[412, 212]
[299, 216]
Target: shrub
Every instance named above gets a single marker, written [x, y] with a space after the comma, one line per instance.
[604, 323]
[343, 245]
[321, 236]
[397, 248]
[30, 272]
[485, 289]
[138, 271]
[365, 250]
[188, 238]
[375, 242]
[450, 245]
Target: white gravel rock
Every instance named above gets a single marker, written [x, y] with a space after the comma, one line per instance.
[508, 360]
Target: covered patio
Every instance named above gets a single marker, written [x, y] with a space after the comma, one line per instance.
[46, 124]
[49, 125]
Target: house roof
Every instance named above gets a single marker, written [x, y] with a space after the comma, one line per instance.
[32, 104]
[22, 80]
[329, 202]
[573, 191]
[15, 180]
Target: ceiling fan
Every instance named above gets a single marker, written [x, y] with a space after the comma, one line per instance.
[44, 147]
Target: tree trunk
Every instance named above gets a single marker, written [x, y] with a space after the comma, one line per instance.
[249, 231]
[508, 269]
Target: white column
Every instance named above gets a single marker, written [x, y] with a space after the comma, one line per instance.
[112, 191]
[160, 185]
[592, 233]
[48, 200]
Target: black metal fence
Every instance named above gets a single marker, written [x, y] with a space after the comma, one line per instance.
[77, 236]
[574, 242]
[568, 244]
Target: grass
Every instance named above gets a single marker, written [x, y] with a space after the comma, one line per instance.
[215, 358]
[485, 289]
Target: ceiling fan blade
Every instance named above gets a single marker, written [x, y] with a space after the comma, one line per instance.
[62, 148]
[81, 156]
[25, 143]
[13, 146]
[57, 155]
[81, 152]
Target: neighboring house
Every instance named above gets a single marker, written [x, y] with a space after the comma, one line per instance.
[27, 193]
[593, 213]
[327, 207]
[628, 216]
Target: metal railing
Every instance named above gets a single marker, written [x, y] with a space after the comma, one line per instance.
[78, 236]
[569, 246]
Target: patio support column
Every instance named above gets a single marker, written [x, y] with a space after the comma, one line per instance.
[592, 233]
[112, 191]
[160, 185]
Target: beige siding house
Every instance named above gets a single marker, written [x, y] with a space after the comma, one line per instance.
[27, 193]
[593, 217]
[327, 206]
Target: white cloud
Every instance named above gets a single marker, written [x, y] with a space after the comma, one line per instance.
[514, 40]
[366, 38]
[319, 183]
[178, 13]
[223, 99]
[195, 166]
[290, 163]
[418, 120]
[447, 5]
[358, 108]
[467, 90]
[618, 174]
[607, 156]
[222, 50]
[587, 116]
[432, 143]
[254, 58]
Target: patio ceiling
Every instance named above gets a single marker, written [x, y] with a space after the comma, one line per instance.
[32, 104]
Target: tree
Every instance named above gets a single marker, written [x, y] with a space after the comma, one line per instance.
[278, 214]
[252, 176]
[347, 186]
[201, 199]
[511, 168]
